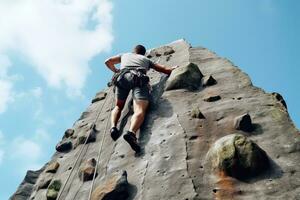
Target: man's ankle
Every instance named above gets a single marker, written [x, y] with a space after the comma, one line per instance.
[132, 132]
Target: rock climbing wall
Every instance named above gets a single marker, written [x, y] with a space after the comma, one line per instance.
[208, 134]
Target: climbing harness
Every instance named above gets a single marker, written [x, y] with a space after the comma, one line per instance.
[93, 128]
[139, 77]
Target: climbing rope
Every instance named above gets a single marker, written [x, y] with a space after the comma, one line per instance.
[85, 142]
[99, 155]
[93, 128]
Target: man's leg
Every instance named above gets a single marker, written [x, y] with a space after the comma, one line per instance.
[140, 108]
[116, 112]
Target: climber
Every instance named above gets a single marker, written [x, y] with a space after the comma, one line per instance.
[132, 76]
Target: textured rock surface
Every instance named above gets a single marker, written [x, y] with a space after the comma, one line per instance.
[173, 162]
[25, 189]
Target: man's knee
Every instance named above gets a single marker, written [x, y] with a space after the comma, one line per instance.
[120, 104]
[140, 108]
[139, 113]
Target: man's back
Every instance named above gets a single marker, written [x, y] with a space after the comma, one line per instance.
[135, 60]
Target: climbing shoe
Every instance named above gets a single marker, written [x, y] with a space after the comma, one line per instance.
[132, 141]
[114, 133]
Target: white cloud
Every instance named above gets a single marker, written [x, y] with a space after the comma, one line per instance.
[28, 152]
[6, 93]
[58, 37]
[26, 149]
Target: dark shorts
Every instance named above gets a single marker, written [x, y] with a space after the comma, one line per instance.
[126, 85]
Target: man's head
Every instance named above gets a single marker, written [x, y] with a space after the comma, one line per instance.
[139, 49]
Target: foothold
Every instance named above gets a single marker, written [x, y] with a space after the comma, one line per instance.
[185, 77]
[69, 132]
[196, 113]
[279, 98]
[99, 96]
[164, 50]
[243, 123]
[84, 115]
[64, 146]
[115, 187]
[238, 156]
[212, 98]
[52, 168]
[208, 81]
[87, 170]
[168, 58]
[53, 190]
[44, 182]
[82, 137]
[168, 52]
[194, 137]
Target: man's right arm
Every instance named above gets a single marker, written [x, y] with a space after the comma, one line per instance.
[112, 61]
[164, 69]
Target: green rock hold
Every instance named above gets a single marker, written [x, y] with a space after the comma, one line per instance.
[53, 190]
[238, 156]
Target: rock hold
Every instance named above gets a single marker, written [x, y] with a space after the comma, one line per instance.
[208, 81]
[238, 156]
[188, 77]
[279, 98]
[164, 50]
[44, 182]
[114, 188]
[99, 96]
[69, 132]
[52, 168]
[82, 137]
[243, 123]
[87, 170]
[53, 190]
[212, 98]
[64, 146]
[196, 113]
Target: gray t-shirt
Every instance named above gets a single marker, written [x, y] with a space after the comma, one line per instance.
[135, 60]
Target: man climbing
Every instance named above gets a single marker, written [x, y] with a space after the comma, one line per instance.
[132, 76]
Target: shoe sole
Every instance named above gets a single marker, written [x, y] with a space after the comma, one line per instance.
[114, 135]
[133, 145]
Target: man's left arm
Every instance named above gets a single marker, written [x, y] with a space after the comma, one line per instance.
[112, 61]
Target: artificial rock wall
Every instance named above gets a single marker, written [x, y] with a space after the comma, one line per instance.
[208, 134]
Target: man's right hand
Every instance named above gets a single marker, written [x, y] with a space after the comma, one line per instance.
[117, 70]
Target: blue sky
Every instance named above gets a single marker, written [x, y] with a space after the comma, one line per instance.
[52, 54]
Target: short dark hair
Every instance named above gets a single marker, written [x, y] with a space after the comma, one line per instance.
[140, 49]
